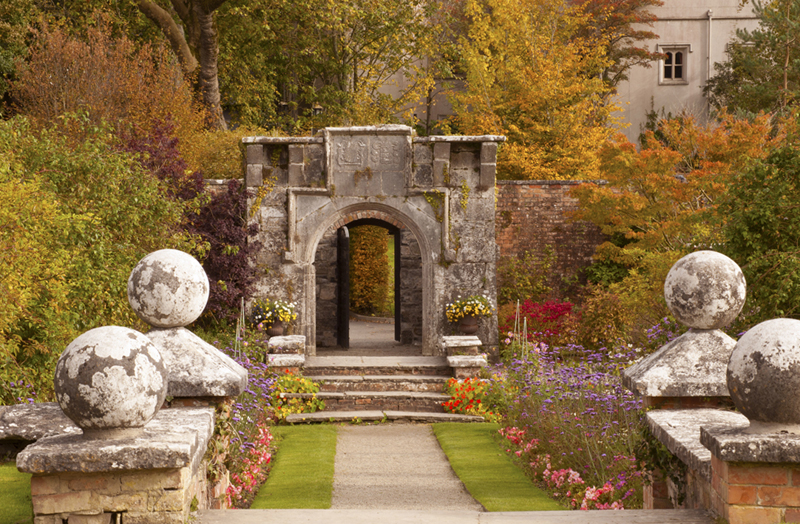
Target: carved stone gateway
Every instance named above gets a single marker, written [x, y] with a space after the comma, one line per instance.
[436, 194]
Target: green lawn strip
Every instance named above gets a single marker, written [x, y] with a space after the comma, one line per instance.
[15, 495]
[302, 472]
[488, 473]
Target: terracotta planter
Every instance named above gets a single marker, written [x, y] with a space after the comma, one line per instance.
[276, 329]
[468, 325]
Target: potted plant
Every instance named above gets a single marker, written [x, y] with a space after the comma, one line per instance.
[466, 311]
[273, 314]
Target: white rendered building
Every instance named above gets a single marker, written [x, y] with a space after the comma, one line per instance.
[694, 34]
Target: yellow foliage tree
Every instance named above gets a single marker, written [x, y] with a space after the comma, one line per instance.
[369, 270]
[531, 77]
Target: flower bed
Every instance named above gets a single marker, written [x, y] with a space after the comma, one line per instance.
[242, 442]
[574, 427]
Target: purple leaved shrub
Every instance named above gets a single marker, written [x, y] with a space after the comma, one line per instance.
[223, 224]
[159, 154]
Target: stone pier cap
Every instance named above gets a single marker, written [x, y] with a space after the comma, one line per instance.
[705, 291]
[175, 438]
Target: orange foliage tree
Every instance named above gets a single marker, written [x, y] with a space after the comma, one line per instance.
[106, 78]
[661, 202]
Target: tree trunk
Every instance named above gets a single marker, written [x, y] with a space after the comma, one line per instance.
[199, 53]
[208, 51]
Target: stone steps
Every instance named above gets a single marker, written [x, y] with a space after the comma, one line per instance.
[362, 384]
[342, 383]
[327, 366]
[379, 416]
[379, 400]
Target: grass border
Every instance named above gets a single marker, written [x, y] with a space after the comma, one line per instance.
[487, 472]
[302, 472]
[15, 495]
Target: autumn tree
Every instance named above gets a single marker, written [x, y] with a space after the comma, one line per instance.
[762, 230]
[662, 201]
[196, 44]
[282, 58]
[762, 72]
[620, 26]
[106, 78]
[531, 76]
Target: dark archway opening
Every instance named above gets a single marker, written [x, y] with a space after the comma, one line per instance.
[341, 328]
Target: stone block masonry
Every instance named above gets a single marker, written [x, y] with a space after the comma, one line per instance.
[437, 191]
[156, 478]
[534, 215]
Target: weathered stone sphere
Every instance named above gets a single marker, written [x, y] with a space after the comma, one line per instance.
[111, 381]
[705, 290]
[168, 288]
[764, 373]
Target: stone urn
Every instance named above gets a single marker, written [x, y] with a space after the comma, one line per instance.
[468, 325]
[276, 329]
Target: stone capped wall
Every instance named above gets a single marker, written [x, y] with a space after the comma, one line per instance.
[532, 215]
[438, 189]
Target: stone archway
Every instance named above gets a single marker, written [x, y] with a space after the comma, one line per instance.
[409, 285]
[440, 189]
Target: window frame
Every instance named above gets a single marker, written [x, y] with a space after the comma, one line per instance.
[686, 49]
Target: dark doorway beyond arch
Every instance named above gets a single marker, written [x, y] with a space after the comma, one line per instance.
[336, 325]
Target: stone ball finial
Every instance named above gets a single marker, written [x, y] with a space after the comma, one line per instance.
[764, 375]
[168, 288]
[111, 381]
[705, 290]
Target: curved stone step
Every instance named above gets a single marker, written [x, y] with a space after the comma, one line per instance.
[378, 400]
[378, 416]
[419, 383]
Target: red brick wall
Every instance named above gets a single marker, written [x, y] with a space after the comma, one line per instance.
[531, 215]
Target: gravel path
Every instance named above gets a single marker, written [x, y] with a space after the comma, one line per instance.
[395, 466]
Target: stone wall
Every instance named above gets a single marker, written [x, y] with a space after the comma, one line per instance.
[532, 215]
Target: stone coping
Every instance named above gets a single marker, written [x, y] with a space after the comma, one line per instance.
[467, 361]
[680, 431]
[732, 443]
[459, 138]
[195, 367]
[550, 182]
[692, 365]
[367, 129]
[31, 422]
[175, 438]
[289, 360]
[221, 181]
[295, 343]
[461, 341]
[283, 140]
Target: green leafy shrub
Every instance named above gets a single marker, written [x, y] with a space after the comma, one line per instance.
[763, 232]
[525, 277]
[75, 218]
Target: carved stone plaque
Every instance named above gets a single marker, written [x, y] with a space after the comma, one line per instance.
[369, 165]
